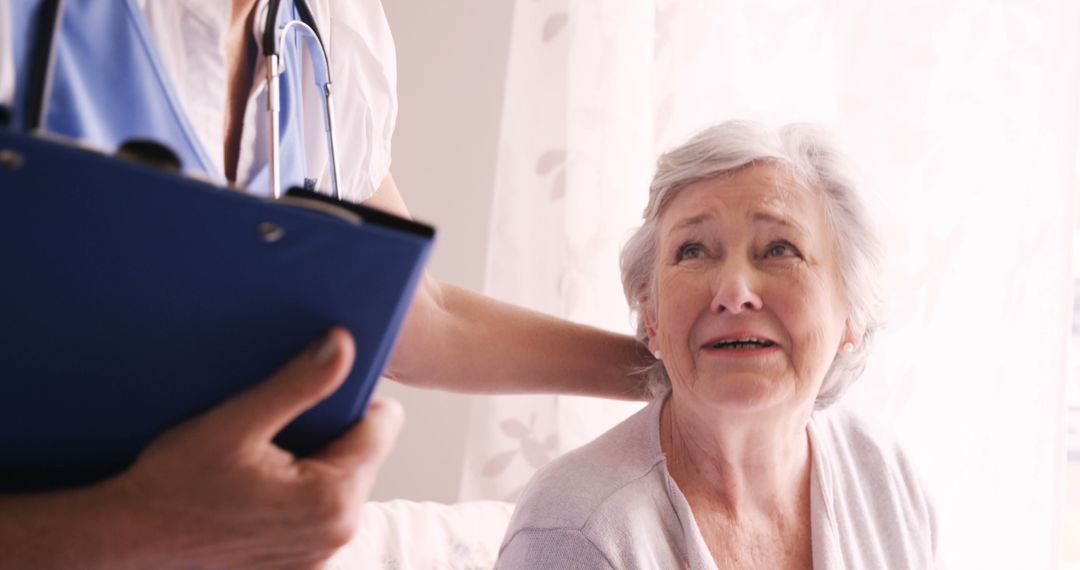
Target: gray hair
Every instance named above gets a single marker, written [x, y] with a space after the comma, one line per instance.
[809, 155]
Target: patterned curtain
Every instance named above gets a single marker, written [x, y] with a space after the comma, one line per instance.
[963, 118]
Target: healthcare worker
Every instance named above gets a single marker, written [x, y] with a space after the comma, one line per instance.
[214, 491]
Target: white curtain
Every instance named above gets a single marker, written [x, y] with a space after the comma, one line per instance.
[963, 118]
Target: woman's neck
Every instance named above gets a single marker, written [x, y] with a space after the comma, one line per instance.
[746, 468]
[747, 481]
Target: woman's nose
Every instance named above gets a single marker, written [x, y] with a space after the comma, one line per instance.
[734, 292]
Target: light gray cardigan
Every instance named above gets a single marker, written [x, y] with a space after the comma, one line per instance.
[613, 504]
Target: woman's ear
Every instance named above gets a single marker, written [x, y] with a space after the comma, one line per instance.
[648, 313]
[852, 338]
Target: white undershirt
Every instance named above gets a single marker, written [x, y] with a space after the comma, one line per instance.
[7, 65]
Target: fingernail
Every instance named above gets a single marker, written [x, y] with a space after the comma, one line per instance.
[388, 406]
[325, 350]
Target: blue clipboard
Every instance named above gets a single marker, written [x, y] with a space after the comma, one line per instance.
[132, 299]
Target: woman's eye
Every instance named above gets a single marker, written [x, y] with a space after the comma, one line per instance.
[690, 251]
[782, 249]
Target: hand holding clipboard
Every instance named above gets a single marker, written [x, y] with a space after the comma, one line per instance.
[322, 493]
[135, 299]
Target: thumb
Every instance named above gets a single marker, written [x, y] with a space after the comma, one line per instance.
[257, 415]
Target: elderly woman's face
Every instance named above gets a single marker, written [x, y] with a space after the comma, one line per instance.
[747, 257]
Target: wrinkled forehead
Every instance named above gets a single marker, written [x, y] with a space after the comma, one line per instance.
[754, 192]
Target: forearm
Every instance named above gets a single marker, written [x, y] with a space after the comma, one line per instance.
[81, 528]
[459, 340]
[455, 339]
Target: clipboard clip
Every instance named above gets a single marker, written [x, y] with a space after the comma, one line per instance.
[11, 159]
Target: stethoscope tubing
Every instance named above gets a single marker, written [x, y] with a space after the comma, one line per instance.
[39, 88]
[274, 68]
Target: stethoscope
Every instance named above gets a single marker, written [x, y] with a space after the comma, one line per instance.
[273, 40]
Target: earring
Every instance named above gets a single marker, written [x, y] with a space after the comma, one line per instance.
[848, 347]
[656, 355]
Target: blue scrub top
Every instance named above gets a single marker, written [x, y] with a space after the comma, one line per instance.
[109, 86]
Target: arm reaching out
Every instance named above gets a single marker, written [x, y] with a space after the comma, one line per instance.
[459, 340]
[215, 491]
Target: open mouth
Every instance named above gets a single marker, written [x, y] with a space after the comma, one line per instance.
[742, 344]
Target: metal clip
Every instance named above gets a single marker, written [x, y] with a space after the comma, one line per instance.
[11, 160]
[271, 232]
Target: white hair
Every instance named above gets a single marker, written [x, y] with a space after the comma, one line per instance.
[808, 154]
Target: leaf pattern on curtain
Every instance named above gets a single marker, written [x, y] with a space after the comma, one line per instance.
[554, 160]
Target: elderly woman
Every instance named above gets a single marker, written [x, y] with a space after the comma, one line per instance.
[754, 281]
